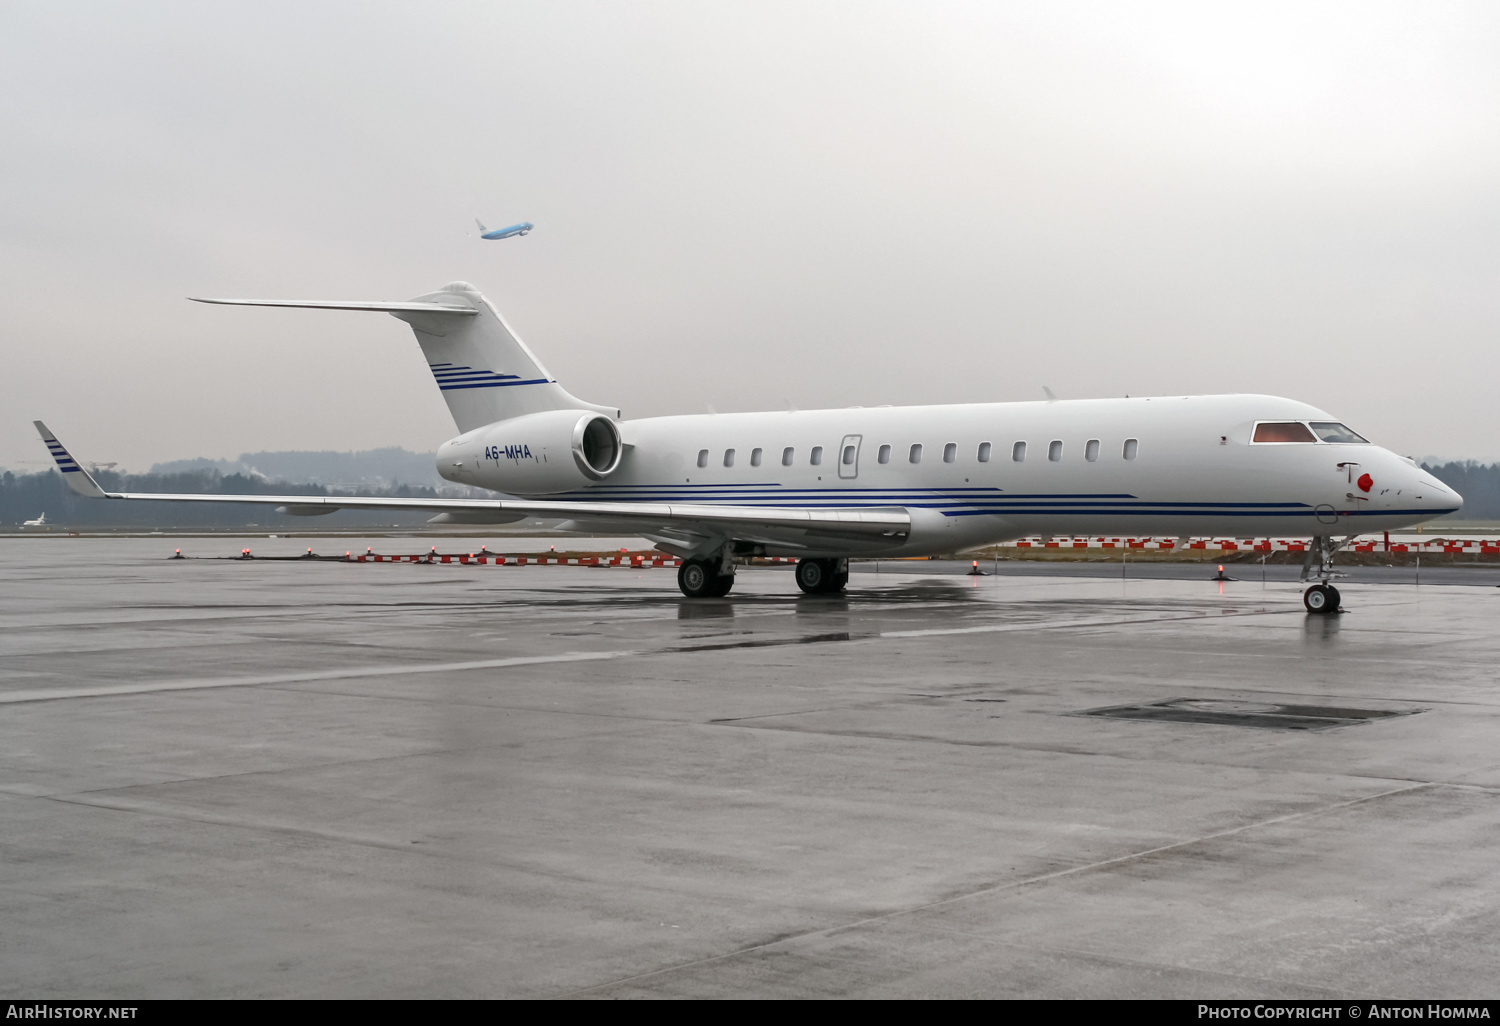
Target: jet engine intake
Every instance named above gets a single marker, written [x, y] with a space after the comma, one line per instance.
[538, 454]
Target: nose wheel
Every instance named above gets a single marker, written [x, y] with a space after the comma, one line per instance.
[1321, 598]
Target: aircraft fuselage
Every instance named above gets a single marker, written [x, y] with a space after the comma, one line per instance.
[988, 472]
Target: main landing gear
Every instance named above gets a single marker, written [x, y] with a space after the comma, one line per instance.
[1322, 597]
[713, 576]
[705, 578]
[822, 576]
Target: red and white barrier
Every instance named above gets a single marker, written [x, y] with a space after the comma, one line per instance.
[1456, 545]
[496, 560]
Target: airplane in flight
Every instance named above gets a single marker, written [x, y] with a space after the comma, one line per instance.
[40, 521]
[523, 228]
[826, 486]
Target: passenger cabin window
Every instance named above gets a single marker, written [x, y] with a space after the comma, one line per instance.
[1333, 431]
[702, 457]
[1054, 451]
[787, 455]
[916, 453]
[884, 455]
[848, 455]
[755, 457]
[1282, 431]
[1131, 445]
[1018, 452]
[984, 452]
[1091, 450]
[728, 457]
[817, 456]
[950, 452]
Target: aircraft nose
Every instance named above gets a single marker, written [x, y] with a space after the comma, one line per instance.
[1434, 495]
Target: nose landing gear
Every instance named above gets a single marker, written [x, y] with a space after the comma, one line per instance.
[1322, 597]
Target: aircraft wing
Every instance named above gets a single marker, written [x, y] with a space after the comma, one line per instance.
[865, 527]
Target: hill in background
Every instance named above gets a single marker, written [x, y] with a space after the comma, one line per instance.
[372, 469]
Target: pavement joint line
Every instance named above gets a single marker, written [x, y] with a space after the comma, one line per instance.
[320, 835]
[1138, 962]
[1099, 957]
[999, 888]
[353, 761]
[1330, 696]
[107, 691]
[644, 723]
[871, 735]
[1056, 624]
[341, 838]
[104, 691]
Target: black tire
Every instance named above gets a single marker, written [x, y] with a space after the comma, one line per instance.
[1318, 600]
[822, 576]
[721, 585]
[1334, 599]
[812, 575]
[695, 579]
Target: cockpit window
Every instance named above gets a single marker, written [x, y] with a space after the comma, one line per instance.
[1282, 431]
[1333, 431]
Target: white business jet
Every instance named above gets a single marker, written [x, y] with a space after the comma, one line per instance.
[40, 521]
[828, 485]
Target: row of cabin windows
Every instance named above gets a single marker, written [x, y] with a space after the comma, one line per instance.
[914, 454]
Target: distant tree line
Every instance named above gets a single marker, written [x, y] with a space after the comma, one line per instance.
[1478, 483]
[25, 496]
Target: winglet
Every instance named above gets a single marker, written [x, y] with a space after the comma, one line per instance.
[80, 480]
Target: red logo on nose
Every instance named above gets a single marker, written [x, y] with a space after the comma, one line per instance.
[1365, 482]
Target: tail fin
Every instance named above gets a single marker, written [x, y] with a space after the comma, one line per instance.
[78, 479]
[482, 228]
[482, 367]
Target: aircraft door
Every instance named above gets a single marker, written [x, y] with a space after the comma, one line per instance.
[849, 457]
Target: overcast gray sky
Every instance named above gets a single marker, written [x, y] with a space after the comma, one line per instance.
[745, 205]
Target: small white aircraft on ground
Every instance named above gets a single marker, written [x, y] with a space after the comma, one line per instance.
[827, 485]
[40, 521]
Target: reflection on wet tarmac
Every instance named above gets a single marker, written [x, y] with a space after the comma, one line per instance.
[306, 780]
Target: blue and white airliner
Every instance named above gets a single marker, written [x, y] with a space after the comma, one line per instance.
[524, 228]
[828, 485]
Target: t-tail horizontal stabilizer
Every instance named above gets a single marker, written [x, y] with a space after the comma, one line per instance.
[348, 304]
[80, 480]
[481, 366]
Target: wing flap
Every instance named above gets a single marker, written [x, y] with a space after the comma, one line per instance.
[889, 522]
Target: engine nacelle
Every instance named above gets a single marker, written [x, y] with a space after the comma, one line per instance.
[539, 454]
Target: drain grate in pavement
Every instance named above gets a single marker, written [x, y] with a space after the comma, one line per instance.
[1267, 715]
